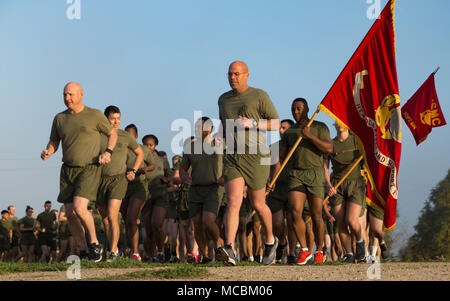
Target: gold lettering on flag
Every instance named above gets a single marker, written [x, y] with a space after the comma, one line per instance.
[431, 117]
[388, 114]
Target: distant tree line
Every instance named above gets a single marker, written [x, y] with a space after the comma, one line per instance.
[430, 241]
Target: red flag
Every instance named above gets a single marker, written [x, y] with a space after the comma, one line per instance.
[422, 111]
[365, 98]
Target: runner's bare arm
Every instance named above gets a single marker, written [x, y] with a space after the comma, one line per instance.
[324, 145]
[105, 158]
[52, 147]
[331, 190]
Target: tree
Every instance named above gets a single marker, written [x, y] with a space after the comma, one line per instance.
[431, 238]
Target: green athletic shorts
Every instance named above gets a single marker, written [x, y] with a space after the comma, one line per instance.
[137, 190]
[351, 190]
[27, 239]
[4, 244]
[111, 187]
[375, 212]
[203, 198]
[278, 198]
[307, 181]
[78, 181]
[47, 239]
[248, 167]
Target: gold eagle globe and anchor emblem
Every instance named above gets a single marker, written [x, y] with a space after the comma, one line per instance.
[388, 118]
[431, 117]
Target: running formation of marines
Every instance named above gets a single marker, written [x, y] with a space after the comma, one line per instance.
[122, 199]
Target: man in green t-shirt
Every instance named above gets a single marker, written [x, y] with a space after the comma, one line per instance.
[6, 234]
[246, 113]
[348, 200]
[16, 232]
[114, 184]
[78, 129]
[203, 198]
[46, 227]
[307, 176]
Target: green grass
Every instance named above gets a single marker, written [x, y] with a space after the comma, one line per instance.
[178, 271]
[121, 263]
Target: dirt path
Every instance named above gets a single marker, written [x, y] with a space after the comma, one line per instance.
[388, 272]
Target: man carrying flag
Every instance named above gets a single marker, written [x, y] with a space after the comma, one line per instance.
[422, 111]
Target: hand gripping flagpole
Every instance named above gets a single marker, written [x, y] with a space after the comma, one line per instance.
[291, 152]
[345, 177]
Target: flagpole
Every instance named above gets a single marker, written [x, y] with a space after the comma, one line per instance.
[435, 71]
[291, 152]
[340, 182]
[345, 177]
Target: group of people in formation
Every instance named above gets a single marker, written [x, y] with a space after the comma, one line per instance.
[122, 198]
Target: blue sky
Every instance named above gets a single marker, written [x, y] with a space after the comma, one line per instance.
[162, 60]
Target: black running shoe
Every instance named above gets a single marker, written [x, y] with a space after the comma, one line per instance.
[95, 252]
[280, 251]
[383, 250]
[84, 255]
[270, 252]
[205, 260]
[226, 255]
[348, 258]
[291, 260]
[360, 252]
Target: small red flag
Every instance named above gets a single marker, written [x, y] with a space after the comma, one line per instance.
[422, 112]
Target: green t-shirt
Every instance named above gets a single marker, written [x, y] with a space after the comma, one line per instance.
[80, 135]
[14, 221]
[206, 167]
[254, 104]
[5, 227]
[46, 220]
[162, 168]
[118, 162]
[27, 222]
[148, 160]
[306, 156]
[274, 153]
[344, 155]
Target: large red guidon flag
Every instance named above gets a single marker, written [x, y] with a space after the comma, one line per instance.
[422, 112]
[365, 98]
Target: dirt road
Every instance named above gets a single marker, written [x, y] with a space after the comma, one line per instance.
[429, 271]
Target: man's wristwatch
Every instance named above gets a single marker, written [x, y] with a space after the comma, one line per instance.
[109, 151]
[133, 170]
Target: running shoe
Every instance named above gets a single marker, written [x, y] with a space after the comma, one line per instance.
[226, 255]
[348, 258]
[112, 256]
[174, 259]
[160, 258]
[136, 257]
[383, 250]
[258, 258]
[205, 260]
[303, 257]
[191, 258]
[319, 258]
[270, 252]
[360, 252]
[84, 255]
[279, 252]
[291, 259]
[95, 252]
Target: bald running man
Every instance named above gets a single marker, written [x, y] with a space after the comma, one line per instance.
[246, 112]
[78, 129]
